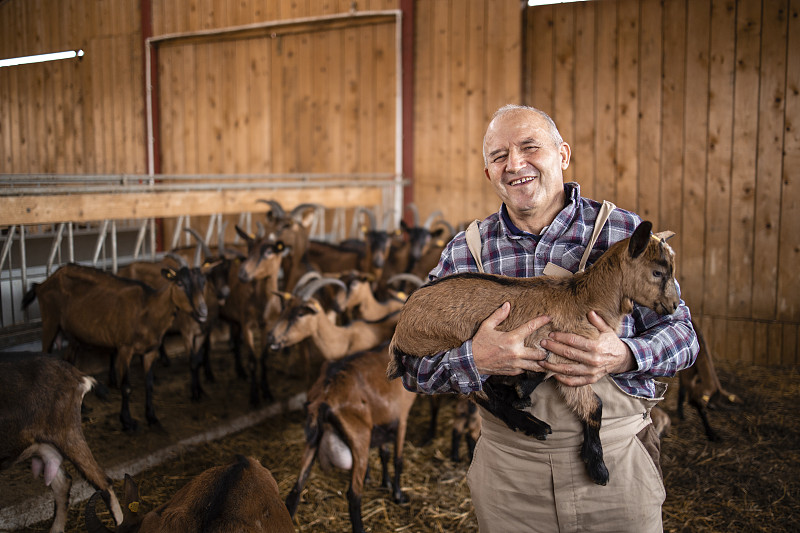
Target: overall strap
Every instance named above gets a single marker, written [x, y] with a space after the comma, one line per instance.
[602, 216]
[474, 243]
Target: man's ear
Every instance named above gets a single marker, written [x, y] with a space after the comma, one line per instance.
[566, 152]
[486, 173]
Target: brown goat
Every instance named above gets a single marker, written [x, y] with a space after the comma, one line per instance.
[701, 385]
[250, 302]
[305, 318]
[40, 419]
[96, 308]
[447, 312]
[350, 408]
[241, 497]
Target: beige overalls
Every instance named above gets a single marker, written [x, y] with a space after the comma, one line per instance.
[521, 484]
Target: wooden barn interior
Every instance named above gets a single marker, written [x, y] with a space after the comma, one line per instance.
[181, 112]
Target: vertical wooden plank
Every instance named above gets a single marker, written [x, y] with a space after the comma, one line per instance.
[350, 131]
[542, 73]
[583, 143]
[564, 76]
[719, 154]
[284, 129]
[789, 253]
[476, 114]
[229, 86]
[171, 98]
[627, 108]
[385, 88]
[204, 96]
[189, 94]
[302, 111]
[745, 129]
[320, 100]
[605, 151]
[423, 101]
[769, 158]
[52, 92]
[672, 136]
[761, 344]
[695, 153]
[259, 111]
[789, 344]
[774, 346]
[719, 346]
[650, 126]
[457, 127]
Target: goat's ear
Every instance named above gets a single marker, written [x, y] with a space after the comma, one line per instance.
[640, 239]
[403, 225]
[664, 235]
[437, 233]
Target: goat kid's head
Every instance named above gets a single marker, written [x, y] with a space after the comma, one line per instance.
[190, 294]
[651, 276]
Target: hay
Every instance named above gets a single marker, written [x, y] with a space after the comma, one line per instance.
[748, 481]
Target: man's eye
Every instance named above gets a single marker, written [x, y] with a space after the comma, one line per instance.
[499, 158]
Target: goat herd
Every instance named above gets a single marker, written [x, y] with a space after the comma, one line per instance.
[336, 303]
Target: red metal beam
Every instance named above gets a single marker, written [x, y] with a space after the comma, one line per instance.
[407, 8]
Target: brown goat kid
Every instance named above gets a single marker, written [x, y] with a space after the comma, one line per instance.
[92, 307]
[40, 419]
[350, 408]
[241, 497]
[448, 311]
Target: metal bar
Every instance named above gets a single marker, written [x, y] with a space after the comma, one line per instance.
[177, 232]
[152, 239]
[71, 242]
[7, 246]
[55, 248]
[23, 265]
[140, 239]
[114, 246]
[101, 238]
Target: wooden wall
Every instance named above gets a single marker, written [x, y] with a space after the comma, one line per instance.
[687, 112]
[72, 116]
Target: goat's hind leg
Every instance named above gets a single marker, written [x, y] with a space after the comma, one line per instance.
[589, 407]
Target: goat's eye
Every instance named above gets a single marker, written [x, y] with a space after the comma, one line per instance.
[657, 273]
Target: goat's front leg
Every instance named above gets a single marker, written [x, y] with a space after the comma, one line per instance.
[265, 390]
[499, 401]
[150, 411]
[400, 438]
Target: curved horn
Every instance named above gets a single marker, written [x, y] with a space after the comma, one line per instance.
[93, 524]
[261, 230]
[303, 207]
[388, 216]
[277, 209]
[447, 225]
[357, 217]
[405, 276]
[177, 258]
[206, 250]
[431, 218]
[414, 212]
[305, 279]
[306, 292]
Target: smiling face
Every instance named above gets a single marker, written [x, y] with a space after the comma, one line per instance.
[525, 164]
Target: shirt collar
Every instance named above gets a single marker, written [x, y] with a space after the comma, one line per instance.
[572, 191]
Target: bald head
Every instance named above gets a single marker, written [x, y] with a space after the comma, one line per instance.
[536, 114]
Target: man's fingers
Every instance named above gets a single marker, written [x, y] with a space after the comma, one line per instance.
[531, 326]
[500, 314]
[598, 322]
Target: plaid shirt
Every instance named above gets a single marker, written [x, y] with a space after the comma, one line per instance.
[661, 345]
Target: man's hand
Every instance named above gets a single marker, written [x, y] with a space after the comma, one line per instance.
[504, 352]
[593, 359]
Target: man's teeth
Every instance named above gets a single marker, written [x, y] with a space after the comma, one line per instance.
[523, 180]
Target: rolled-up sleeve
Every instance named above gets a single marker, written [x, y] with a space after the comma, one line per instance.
[452, 371]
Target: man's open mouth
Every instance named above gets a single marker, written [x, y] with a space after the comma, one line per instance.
[520, 181]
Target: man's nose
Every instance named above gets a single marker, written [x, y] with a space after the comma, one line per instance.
[515, 161]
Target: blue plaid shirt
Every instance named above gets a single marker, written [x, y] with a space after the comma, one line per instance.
[661, 345]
